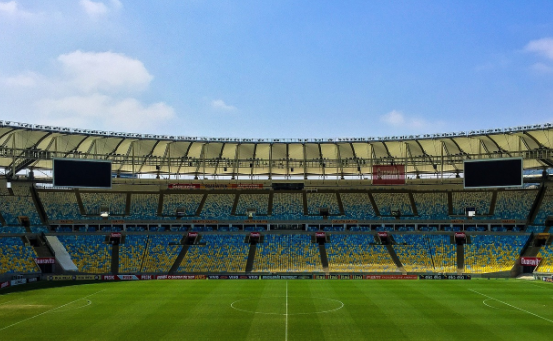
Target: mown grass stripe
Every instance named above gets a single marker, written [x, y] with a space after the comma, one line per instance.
[50, 310]
[200, 310]
[512, 306]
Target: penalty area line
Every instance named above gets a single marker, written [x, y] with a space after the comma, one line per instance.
[512, 306]
[50, 310]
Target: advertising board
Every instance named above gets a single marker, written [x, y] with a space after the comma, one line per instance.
[388, 175]
[378, 277]
[530, 261]
[45, 260]
[445, 277]
[233, 277]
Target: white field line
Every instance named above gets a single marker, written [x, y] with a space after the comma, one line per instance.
[512, 306]
[232, 305]
[286, 333]
[81, 307]
[487, 305]
[47, 311]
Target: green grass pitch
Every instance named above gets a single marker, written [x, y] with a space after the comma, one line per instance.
[280, 310]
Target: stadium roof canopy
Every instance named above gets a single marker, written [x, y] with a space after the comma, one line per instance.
[24, 146]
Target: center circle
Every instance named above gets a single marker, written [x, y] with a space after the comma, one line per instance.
[291, 305]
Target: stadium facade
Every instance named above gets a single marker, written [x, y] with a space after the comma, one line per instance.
[191, 206]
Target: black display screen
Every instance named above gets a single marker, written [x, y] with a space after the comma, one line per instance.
[493, 173]
[82, 173]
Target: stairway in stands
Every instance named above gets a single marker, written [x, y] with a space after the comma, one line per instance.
[324, 258]
[460, 259]
[528, 250]
[395, 258]
[43, 251]
[178, 261]
[251, 258]
[115, 259]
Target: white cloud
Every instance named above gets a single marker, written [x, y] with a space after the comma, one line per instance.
[8, 7]
[104, 71]
[219, 104]
[27, 80]
[104, 112]
[393, 118]
[403, 124]
[11, 8]
[543, 47]
[96, 9]
[92, 90]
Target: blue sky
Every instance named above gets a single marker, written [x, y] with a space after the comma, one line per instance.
[277, 69]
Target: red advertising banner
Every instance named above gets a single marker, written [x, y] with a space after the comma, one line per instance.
[460, 235]
[320, 234]
[45, 260]
[120, 278]
[530, 261]
[115, 235]
[383, 234]
[410, 277]
[4, 285]
[192, 234]
[331, 277]
[255, 234]
[215, 186]
[176, 277]
[389, 175]
[149, 277]
[161, 277]
[228, 277]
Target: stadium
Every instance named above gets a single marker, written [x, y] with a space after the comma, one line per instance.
[411, 237]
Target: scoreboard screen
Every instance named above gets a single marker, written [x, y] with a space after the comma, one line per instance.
[82, 173]
[493, 173]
